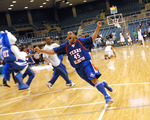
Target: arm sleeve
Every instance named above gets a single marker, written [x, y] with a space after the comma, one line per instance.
[16, 51]
[61, 49]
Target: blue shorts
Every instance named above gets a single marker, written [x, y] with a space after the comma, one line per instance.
[88, 72]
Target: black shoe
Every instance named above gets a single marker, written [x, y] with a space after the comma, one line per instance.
[5, 83]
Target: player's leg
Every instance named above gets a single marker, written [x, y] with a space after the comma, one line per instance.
[6, 73]
[93, 75]
[31, 76]
[63, 72]
[53, 79]
[19, 69]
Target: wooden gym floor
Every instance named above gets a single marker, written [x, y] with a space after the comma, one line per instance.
[128, 74]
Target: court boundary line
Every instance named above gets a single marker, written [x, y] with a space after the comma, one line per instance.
[86, 112]
[103, 111]
[36, 110]
[89, 87]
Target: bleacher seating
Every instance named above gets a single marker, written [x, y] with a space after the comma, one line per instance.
[132, 25]
[39, 25]
[21, 25]
[5, 27]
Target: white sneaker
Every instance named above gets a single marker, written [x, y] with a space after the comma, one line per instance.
[71, 84]
[49, 85]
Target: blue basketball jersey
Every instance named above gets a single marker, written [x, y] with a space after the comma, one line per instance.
[78, 53]
[8, 55]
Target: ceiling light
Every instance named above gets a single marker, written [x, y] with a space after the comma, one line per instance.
[44, 3]
[11, 5]
[14, 1]
[63, 1]
[70, 4]
[25, 7]
[47, 0]
[84, 1]
[67, 2]
[9, 8]
[31, 0]
[41, 6]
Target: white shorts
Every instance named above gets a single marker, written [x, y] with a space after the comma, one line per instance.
[110, 53]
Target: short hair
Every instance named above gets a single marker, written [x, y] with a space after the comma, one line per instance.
[47, 38]
[22, 48]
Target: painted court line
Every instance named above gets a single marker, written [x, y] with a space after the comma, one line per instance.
[51, 108]
[102, 114]
[85, 112]
[91, 88]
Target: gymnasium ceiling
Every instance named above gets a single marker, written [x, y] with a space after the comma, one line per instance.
[6, 5]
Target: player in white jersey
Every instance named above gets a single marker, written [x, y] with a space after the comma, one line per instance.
[122, 39]
[129, 38]
[56, 61]
[109, 51]
[140, 37]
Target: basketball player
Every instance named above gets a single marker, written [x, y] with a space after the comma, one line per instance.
[58, 66]
[140, 37]
[77, 50]
[129, 38]
[122, 39]
[29, 71]
[109, 51]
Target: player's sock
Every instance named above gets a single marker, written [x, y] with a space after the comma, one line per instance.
[107, 86]
[100, 87]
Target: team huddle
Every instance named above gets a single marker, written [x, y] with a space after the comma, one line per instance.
[77, 50]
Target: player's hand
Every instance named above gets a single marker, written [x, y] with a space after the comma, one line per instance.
[99, 24]
[37, 49]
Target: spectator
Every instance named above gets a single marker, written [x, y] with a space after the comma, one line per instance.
[148, 23]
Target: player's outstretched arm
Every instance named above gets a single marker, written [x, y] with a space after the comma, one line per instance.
[50, 52]
[95, 34]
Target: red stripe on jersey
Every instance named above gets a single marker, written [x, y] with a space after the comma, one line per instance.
[66, 48]
[95, 67]
[82, 45]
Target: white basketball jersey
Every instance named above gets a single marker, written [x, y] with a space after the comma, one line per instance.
[128, 37]
[53, 59]
[108, 48]
[139, 33]
[122, 38]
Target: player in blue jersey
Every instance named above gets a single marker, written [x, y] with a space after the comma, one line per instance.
[77, 50]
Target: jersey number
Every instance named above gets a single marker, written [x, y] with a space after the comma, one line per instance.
[5, 53]
[77, 56]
